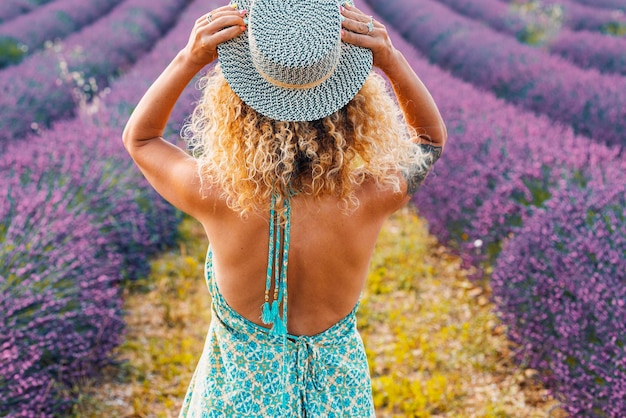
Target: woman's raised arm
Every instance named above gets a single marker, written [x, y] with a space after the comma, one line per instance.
[169, 169]
[419, 108]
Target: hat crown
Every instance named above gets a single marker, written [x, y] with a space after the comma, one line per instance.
[295, 43]
[291, 64]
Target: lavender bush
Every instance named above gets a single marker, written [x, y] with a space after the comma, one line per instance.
[607, 4]
[47, 85]
[91, 178]
[588, 50]
[53, 21]
[506, 17]
[502, 170]
[13, 8]
[60, 310]
[593, 104]
[134, 220]
[579, 17]
[585, 49]
[560, 287]
[502, 163]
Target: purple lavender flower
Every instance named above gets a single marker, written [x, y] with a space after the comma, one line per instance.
[50, 22]
[13, 8]
[589, 50]
[78, 219]
[585, 49]
[593, 104]
[60, 310]
[560, 287]
[578, 17]
[47, 85]
[606, 4]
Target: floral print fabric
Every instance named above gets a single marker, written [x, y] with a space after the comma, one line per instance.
[246, 372]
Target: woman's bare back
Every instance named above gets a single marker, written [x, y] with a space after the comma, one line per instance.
[329, 257]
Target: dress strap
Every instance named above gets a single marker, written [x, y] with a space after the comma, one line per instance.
[277, 261]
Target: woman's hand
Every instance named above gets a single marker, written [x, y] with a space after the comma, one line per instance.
[212, 29]
[357, 31]
[419, 108]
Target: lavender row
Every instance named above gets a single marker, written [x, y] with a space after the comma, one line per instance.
[48, 85]
[502, 163]
[50, 22]
[606, 4]
[585, 49]
[593, 104]
[580, 17]
[10, 9]
[589, 50]
[560, 286]
[107, 201]
[501, 166]
[60, 308]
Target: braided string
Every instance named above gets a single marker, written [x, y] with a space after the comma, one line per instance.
[277, 264]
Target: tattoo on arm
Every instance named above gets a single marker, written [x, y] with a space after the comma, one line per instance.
[415, 175]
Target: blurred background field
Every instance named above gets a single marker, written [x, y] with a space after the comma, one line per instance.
[501, 291]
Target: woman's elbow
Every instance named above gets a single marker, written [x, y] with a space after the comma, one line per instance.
[127, 138]
[435, 135]
[443, 135]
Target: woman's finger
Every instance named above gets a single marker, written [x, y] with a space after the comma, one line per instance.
[354, 13]
[358, 39]
[224, 35]
[364, 31]
[216, 16]
[358, 26]
[225, 23]
[214, 13]
[220, 30]
[358, 22]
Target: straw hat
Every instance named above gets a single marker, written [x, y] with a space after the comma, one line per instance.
[290, 64]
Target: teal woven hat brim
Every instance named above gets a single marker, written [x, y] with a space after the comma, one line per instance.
[278, 102]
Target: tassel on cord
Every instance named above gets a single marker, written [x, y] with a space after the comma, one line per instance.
[279, 327]
[266, 314]
[274, 311]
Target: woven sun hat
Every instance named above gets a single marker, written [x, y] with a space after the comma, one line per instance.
[290, 64]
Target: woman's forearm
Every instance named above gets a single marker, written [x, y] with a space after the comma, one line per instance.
[150, 117]
[415, 100]
[419, 108]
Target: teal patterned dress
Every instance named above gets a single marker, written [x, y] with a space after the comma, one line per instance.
[247, 370]
[244, 371]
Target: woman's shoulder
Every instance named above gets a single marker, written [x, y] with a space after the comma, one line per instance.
[374, 196]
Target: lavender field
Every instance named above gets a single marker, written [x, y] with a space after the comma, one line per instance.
[530, 192]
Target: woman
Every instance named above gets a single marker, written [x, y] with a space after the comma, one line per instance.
[299, 154]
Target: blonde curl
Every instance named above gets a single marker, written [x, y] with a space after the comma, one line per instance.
[249, 156]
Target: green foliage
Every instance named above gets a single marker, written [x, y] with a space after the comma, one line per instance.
[11, 51]
[542, 21]
[615, 29]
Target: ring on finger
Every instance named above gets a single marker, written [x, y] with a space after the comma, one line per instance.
[209, 17]
[370, 25]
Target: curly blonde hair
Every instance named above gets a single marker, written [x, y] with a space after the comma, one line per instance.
[251, 157]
